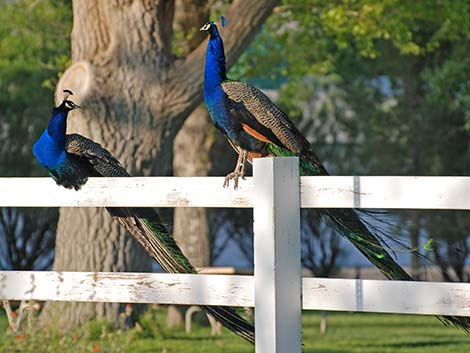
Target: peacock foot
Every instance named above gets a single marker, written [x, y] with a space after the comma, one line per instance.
[235, 176]
[239, 170]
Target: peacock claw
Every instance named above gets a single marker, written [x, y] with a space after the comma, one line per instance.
[238, 172]
[235, 176]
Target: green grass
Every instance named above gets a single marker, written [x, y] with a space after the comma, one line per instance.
[371, 333]
[347, 333]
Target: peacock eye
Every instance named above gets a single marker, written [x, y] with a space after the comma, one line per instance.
[206, 26]
[70, 105]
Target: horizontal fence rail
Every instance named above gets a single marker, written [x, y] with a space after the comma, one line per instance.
[123, 287]
[394, 192]
[427, 298]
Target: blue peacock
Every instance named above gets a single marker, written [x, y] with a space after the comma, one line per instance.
[71, 159]
[256, 127]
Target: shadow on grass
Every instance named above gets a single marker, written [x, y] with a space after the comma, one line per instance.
[324, 350]
[427, 343]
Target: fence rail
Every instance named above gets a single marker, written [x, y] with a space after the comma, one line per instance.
[276, 290]
[426, 298]
[392, 192]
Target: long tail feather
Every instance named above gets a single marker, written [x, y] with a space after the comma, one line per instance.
[350, 225]
[146, 227]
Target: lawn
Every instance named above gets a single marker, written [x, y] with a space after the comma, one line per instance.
[347, 333]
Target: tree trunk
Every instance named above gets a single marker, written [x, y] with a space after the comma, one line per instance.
[191, 228]
[192, 148]
[190, 153]
[135, 96]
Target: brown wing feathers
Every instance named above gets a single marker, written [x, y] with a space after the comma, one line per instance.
[262, 115]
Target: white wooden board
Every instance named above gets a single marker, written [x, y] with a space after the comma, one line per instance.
[132, 192]
[386, 192]
[316, 192]
[127, 287]
[436, 298]
[430, 298]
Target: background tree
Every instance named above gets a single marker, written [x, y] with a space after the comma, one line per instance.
[193, 141]
[195, 146]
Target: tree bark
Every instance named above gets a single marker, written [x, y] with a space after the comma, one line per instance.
[193, 142]
[192, 148]
[190, 152]
[190, 225]
[135, 96]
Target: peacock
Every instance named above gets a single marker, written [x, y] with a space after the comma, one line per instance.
[71, 159]
[256, 127]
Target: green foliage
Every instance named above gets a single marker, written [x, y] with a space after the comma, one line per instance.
[34, 47]
[450, 82]
[306, 37]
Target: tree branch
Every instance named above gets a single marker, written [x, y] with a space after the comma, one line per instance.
[244, 21]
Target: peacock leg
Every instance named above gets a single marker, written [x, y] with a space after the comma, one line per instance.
[239, 170]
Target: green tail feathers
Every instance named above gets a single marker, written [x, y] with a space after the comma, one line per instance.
[350, 225]
[147, 228]
[179, 262]
[172, 259]
[305, 168]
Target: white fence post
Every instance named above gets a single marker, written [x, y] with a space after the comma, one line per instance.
[276, 212]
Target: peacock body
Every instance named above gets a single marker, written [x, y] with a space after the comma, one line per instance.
[256, 127]
[71, 159]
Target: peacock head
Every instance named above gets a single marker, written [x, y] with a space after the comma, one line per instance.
[211, 27]
[58, 122]
[67, 105]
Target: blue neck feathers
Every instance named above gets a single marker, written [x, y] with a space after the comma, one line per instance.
[50, 148]
[58, 126]
[215, 71]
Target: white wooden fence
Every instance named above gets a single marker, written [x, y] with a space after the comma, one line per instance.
[276, 290]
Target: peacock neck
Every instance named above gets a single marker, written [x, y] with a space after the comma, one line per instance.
[58, 127]
[215, 70]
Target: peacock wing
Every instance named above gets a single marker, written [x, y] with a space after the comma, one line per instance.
[101, 160]
[256, 110]
[267, 114]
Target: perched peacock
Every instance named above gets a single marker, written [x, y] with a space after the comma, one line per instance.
[256, 127]
[71, 159]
